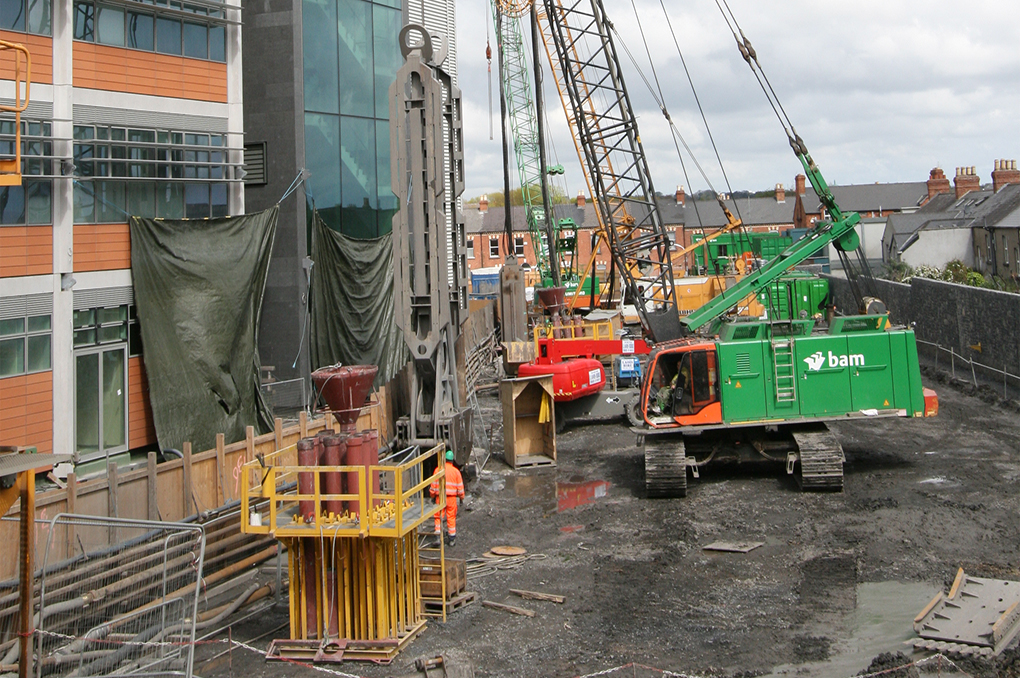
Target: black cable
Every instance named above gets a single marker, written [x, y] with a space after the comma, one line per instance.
[701, 110]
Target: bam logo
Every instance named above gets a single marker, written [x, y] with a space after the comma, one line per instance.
[817, 359]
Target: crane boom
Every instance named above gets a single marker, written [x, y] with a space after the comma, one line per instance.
[839, 229]
[527, 138]
[608, 134]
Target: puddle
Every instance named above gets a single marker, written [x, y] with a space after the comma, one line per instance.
[882, 621]
[532, 485]
[572, 495]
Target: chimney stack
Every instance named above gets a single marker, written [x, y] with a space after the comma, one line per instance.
[1005, 173]
[681, 197]
[966, 180]
[580, 199]
[483, 204]
[937, 183]
[780, 193]
[801, 188]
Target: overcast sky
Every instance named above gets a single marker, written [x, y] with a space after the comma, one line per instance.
[880, 90]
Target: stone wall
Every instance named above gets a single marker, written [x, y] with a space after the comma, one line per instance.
[951, 316]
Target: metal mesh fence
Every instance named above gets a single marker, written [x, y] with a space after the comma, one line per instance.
[126, 609]
[286, 398]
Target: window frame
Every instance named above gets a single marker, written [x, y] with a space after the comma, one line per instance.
[519, 245]
[25, 335]
[493, 246]
[470, 248]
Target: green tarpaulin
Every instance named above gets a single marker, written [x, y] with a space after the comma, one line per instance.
[198, 290]
[352, 303]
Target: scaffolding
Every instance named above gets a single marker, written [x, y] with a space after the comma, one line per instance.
[351, 533]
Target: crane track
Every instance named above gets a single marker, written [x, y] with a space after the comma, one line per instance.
[666, 468]
[821, 461]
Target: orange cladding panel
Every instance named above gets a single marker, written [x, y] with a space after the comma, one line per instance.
[101, 247]
[26, 250]
[117, 69]
[141, 430]
[26, 410]
[41, 49]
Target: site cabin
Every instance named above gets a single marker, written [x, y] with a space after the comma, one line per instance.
[759, 389]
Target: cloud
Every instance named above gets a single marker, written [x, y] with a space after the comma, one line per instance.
[879, 90]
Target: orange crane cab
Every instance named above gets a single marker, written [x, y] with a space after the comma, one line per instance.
[682, 387]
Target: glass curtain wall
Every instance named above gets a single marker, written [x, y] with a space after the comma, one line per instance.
[351, 57]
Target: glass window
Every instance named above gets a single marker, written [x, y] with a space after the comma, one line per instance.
[40, 19]
[24, 345]
[86, 387]
[39, 358]
[196, 40]
[386, 24]
[196, 201]
[358, 177]
[110, 25]
[322, 156]
[168, 36]
[140, 31]
[12, 15]
[12, 326]
[170, 201]
[12, 205]
[110, 202]
[319, 26]
[387, 201]
[355, 47]
[470, 248]
[141, 199]
[84, 204]
[493, 247]
[39, 323]
[84, 16]
[12, 357]
[519, 246]
[218, 200]
[218, 43]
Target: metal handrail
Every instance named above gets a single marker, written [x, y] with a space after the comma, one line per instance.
[953, 355]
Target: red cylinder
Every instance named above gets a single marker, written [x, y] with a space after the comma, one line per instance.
[306, 482]
[355, 444]
[330, 482]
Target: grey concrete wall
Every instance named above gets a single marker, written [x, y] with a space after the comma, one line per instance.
[952, 316]
[273, 113]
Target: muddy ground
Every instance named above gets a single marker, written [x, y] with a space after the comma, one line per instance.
[836, 583]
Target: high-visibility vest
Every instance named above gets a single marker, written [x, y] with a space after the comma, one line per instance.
[454, 482]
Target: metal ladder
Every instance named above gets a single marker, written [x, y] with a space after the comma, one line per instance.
[782, 364]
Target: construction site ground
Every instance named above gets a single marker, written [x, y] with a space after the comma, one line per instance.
[835, 585]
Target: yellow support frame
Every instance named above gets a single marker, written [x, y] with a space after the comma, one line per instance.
[10, 169]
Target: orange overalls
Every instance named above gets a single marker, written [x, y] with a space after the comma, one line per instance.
[454, 489]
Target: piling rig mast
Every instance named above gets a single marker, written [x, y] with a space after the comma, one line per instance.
[430, 291]
[588, 70]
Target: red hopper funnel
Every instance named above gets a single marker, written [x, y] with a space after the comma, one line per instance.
[345, 388]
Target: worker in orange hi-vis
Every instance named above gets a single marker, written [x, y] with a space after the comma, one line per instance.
[454, 491]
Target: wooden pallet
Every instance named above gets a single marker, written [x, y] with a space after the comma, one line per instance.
[343, 649]
[455, 603]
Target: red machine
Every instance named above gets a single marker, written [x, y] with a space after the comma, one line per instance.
[568, 354]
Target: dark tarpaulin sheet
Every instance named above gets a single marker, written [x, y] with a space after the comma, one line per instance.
[352, 303]
[198, 290]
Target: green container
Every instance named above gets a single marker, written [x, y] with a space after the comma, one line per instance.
[857, 367]
[795, 295]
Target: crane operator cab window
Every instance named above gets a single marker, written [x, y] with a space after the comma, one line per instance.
[683, 383]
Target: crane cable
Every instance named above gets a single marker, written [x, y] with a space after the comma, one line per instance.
[665, 112]
[751, 57]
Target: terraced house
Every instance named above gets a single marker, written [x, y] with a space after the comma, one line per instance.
[135, 109]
